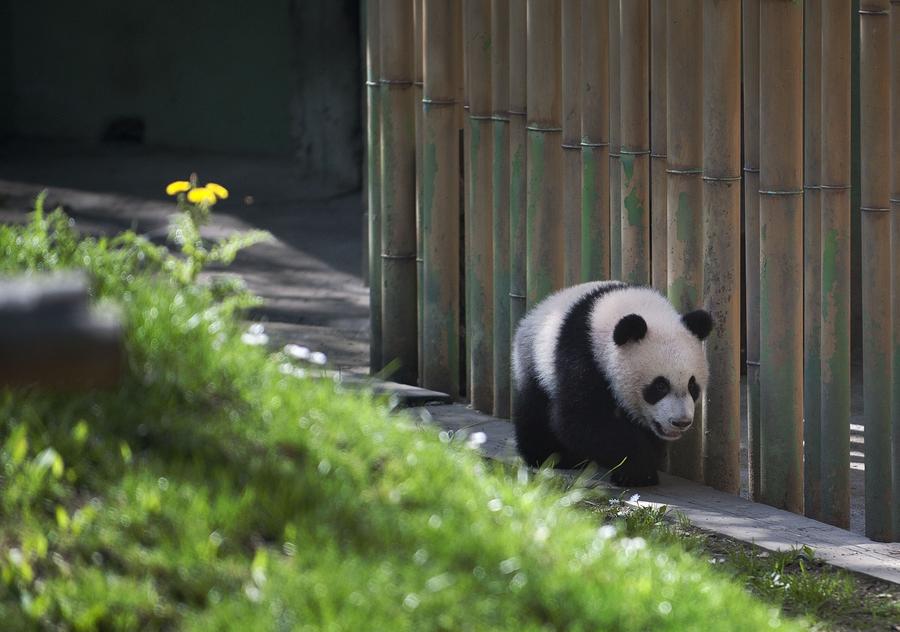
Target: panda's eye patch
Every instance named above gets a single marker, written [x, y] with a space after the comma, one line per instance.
[694, 388]
[656, 390]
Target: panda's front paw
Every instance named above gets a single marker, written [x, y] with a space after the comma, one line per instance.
[634, 478]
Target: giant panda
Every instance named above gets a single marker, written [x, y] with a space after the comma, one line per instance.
[607, 372]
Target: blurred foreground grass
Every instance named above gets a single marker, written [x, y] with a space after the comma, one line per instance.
[213, 490]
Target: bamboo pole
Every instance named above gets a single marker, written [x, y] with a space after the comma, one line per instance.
[571, 139]
[500, 191]
[722, 235]
[780, 261]
[398, 192]
[479, 221]
[750, 39]
[634, 160]
[658, 178]
[544, 229]
[895, 250]
[835, 280]
[517, 161]
[373, 138]
[615, 138]
[875, 122]
[684, 131]
[594, 140]
[440, 196]
[420, 268]
[812, 256]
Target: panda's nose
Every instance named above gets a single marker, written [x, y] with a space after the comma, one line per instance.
[683, 424]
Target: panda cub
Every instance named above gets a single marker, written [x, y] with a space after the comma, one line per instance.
[605, 371]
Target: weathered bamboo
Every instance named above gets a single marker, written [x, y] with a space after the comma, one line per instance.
[875, 125]
[594, 140]
[440, 196]
[517, 163]
[479, 221]
[500, 192]
[658, 178]
[571, 139]
[373, 177]
[834, 470]
[781, 245]
[750, 39]
[615, 137]
[544, 226]
[722, 235]
[812, 255]
[895, 250]
[417, 73]
[684, 131]
[634, 152]
[398, 191]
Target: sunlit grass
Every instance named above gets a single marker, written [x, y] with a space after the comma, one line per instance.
[212, 490]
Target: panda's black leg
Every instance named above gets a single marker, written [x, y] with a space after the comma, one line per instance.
[631, 451]
[531, 416]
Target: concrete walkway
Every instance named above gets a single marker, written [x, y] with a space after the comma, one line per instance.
[310, 279]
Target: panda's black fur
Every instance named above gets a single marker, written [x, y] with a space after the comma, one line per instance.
[583, 421]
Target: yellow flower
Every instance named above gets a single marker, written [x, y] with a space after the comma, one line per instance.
[219, 191]
[179, 186]
[201, 195]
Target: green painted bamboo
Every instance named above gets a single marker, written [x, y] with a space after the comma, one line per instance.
[544, 235]
[812, 256]
[420, 267]
[615, 138]
[659, 268]
[440, 196]
[571, 139]
[895, 251]
[398, 192]
[750, 40]
[684, 110]
[500, 192]
[875, 122]
[780, 256]
[634, 179]
[722, 236]
[479, 218]
[594, 141]
[373, 137]
[517, 161]
[835, 310]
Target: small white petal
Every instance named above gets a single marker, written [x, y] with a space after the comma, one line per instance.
[256, 328]
[251, 338]
[297, 351]
[634, 498]
[317, 357]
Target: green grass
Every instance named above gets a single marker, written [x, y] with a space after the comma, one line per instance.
[795, 581]
[210, 491]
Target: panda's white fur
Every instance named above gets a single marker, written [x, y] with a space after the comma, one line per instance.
[580, 393]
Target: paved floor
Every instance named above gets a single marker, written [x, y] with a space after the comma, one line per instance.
[309, 275]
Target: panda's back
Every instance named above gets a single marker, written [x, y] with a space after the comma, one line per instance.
[539, 343]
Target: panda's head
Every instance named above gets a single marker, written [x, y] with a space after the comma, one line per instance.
[660, 369]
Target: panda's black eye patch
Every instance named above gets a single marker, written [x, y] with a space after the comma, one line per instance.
[694, 388]
[656, 390]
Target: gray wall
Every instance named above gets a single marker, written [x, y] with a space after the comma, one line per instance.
[270, 77]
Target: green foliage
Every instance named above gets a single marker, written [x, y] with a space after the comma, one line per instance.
[211, 490]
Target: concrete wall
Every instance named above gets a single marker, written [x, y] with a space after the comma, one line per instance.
[273, 77]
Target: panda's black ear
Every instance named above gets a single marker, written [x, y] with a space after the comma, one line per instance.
[630, 329]
[698, 322]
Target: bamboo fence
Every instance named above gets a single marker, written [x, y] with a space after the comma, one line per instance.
[634, 152]
[602, 139]
[875, 125]
[722, 238]
[595, 195]
[832, 480]
[684, 132]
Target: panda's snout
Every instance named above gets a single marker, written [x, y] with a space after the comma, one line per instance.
[683, 424]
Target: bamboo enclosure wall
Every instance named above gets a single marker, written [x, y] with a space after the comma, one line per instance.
[517, 147]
